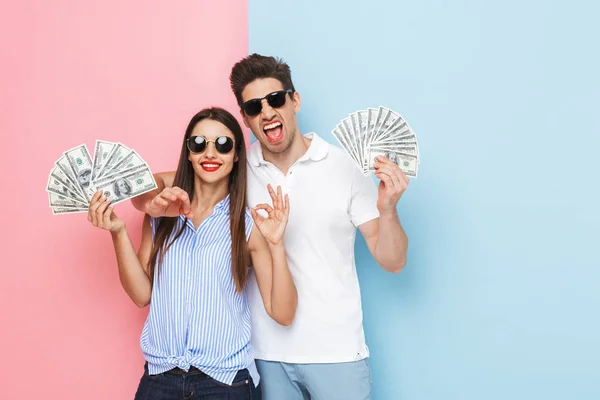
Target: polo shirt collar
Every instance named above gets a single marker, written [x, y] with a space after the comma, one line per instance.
[317, 150]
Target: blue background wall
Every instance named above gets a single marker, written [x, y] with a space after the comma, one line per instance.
[500, 298]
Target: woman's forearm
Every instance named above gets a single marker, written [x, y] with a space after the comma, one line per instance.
[132, 274]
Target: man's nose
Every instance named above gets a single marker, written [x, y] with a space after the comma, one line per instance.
[267, 111]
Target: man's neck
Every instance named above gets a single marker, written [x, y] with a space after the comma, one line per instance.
[286, 159]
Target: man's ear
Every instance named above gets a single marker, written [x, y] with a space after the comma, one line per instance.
[297, 101]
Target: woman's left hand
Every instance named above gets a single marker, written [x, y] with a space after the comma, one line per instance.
[273, 227]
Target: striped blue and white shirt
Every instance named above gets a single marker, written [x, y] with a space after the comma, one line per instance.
[196, 316]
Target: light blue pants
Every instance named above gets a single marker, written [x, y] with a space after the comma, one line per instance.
[337, 381]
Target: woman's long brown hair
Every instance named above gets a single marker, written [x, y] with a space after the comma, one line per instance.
[184, 179]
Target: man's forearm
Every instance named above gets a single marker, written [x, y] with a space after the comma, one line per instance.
[392, 243]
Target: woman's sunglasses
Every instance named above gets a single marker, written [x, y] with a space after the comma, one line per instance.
[197, 144]
[275, 100]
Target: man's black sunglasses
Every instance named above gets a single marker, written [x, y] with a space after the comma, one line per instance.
[275, 100]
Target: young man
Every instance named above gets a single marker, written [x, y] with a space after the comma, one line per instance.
[322, 354]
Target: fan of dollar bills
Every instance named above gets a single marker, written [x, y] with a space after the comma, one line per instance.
[366, 134]
[117, 170]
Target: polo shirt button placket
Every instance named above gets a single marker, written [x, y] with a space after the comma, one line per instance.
[287, 182]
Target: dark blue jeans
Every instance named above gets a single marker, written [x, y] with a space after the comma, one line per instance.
[177, 384]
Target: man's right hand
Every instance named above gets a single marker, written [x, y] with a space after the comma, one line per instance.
[171, 202]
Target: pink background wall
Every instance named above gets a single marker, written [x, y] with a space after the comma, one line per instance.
[72, 72]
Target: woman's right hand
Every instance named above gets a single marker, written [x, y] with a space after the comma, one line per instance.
[101, 214]
[171, 202]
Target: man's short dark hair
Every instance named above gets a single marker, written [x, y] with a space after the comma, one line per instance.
[255, 67]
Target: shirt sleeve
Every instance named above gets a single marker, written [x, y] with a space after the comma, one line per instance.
[153, 225]
[249, 223]
[363, 199]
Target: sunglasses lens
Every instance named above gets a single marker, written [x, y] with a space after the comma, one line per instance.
[277, 99]
[196, 144]
[253, 107]
[224, 144]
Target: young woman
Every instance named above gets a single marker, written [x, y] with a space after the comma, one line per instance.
[192, 267]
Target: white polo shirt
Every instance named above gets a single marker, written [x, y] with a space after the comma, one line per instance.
[329, 199]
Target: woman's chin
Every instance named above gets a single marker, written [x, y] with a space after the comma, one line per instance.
[213, 177]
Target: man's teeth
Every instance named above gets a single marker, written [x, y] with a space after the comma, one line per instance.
[273, 125]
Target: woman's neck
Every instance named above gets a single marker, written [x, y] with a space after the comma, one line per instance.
[208, 195]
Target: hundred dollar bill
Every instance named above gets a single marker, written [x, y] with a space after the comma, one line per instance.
[361, 118]
[349, 140]
[382, 114]
[81, 164]
[70, 178]
[408, 163]
[404, 137]
[105, 159]
[412, 142]
[341, 138]
[57, 200]
[130, 162]
[118, 153]
[362, 123]
[57, 185]
[355, 125]
[68, 210]
[122, 187]
[411, 138]
[92, 188]
[399, 128]
[371, 119]
[399, 132]
[408, 149]
[388, 119]
[346, 124]
[58, 172]
[101, 152]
